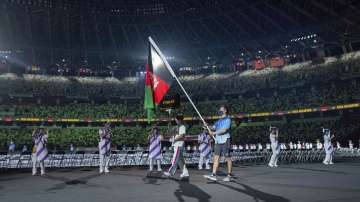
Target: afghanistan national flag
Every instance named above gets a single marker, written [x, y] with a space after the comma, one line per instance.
[158, 80]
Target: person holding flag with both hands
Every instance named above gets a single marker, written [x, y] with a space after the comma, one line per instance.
[221, 133]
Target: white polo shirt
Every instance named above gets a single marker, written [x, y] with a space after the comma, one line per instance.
[181, 131]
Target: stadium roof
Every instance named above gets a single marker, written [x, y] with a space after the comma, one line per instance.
[190, 30]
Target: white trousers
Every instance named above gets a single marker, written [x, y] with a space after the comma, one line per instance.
[35, 162]
[328, 157]
[151, 163]
[203, 160]
[274, 156]
[104, 162]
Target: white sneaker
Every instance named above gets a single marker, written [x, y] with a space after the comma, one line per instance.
[326, 163]
[271, 165]
[184, 175]
[159, 170]
[211, 177]
[208, 167]
[34, 171]
[331, 163]
[227, 178]
[107, 170]
[200, 168]
[167, 174]
[275, 165]
[42, 173]
[101, 171]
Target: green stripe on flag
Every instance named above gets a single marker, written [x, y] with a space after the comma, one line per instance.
[149, 103]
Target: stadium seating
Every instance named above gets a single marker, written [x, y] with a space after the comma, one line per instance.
[294, 86]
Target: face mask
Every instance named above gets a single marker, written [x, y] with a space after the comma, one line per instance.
[220, 113]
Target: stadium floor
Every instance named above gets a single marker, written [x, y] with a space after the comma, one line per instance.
[297, 182]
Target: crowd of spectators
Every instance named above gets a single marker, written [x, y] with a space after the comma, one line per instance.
[296, 86]
[312, 95]
[204, 84]
[296, 131]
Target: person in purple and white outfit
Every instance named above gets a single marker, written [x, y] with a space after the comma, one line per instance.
[104, 148]
[204, 140]
[155, 139]
[39, 151]
[275, 147]
[329, 150]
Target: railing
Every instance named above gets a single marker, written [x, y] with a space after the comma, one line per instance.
[140, 158]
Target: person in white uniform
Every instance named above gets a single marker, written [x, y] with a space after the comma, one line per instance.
[328, 147]
[318, 145]
[291, 146]
[274, 135]
[178, 144]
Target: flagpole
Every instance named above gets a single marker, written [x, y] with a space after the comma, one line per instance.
[168, 67]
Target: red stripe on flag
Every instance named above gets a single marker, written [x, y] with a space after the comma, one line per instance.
[148, 76]
[160, 88]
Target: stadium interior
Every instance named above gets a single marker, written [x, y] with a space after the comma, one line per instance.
[253, 100]
[73, 65]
